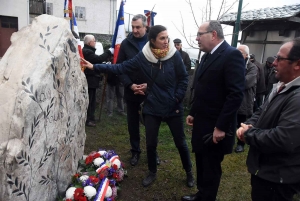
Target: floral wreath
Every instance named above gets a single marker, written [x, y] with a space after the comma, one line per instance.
[99, 178]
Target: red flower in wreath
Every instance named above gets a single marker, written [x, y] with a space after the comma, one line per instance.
[96, 155]
[78, 194]
[82, 199]
[89, 160]
[115, 167]
[115, 176]
[94, 179]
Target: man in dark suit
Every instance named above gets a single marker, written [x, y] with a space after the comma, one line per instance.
[219, 86]
[92, 78]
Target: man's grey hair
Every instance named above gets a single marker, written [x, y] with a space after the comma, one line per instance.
[215, 25]
[246, 49]
[140, 16]
[88, 38]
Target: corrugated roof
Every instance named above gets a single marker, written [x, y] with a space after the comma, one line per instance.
[264, 13]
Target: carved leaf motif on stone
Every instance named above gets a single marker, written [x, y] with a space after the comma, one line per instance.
[41, 35]
[45, 180]
[45, 157]
[48, 29]
[24, 158]
[42, 46]
[72, 46]
[19, 187]
[55, 27]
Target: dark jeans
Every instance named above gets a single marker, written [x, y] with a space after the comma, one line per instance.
[240, 119]
[175, 124]
[92, 105]
[133, 123]
[265, 190]
[209, 172]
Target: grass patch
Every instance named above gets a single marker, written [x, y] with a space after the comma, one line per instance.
[111, 133]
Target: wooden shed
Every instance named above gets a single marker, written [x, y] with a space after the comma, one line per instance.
[264, 30]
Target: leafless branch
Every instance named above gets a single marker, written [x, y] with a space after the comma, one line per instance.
[230, 7]
[221, 8]
[192, 10]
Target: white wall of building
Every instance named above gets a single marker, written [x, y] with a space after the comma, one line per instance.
[15, 8]
[100, 15]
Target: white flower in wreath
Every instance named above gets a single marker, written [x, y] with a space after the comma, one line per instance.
[83, 178]
[115, 161]
[108, 193]
[98, 161]
[70, 193]
[89, 191]
[102, 152]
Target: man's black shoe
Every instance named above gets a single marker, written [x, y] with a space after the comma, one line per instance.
[157, 160]
[239, 148]
[134, 159]
[149, 179]
[190, 179]
[194, 197]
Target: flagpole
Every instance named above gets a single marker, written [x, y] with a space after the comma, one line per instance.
[116, 42]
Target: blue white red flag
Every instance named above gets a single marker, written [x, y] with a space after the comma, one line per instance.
[150, 17]
[120, 33]
[68, 13]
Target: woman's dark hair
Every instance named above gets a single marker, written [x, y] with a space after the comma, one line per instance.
[154, 31]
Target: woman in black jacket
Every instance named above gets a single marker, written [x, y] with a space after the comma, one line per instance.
[167, 81]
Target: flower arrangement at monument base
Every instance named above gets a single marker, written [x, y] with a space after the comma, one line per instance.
[99, 178]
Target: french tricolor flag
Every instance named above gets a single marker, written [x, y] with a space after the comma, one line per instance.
[150, 17]
[120, 33]
[68, 13]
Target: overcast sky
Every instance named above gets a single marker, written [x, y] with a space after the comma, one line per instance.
[169, 13]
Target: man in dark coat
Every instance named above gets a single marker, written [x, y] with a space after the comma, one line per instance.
[130, 47]
[261, 85]
[270, 78]
[246, 108]
[93, 79]
[273, 132]
[220, 82]
[185, 57]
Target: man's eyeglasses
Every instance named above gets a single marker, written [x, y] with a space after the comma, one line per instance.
[177, 44]
[279, 58]
[202, 33]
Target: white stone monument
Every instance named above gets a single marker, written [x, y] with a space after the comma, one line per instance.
[43, 106]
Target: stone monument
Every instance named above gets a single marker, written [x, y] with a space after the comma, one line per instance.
[43, 106]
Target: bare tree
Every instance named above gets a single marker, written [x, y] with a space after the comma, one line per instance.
[206, 13]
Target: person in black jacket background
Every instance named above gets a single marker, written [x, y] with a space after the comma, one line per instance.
[130, 47]
[273, 132]
[261, 84]
[246, 108]
[93, 79]
[185, 57]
